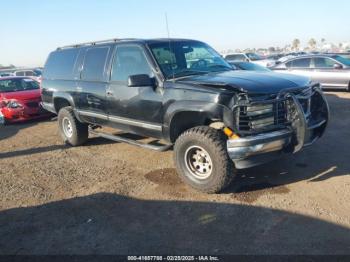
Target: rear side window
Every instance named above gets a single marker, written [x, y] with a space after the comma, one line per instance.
[21, 73]
[60, 64]
[94, 64]
[299, 63]
[321, 62]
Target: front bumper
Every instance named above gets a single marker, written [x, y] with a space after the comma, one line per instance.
[307, 126]
[13, 115]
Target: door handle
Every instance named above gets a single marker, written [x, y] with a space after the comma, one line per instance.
[109, 92]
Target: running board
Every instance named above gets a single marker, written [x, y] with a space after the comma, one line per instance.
[160, 148]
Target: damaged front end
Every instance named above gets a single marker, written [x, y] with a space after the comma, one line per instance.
[282, 123]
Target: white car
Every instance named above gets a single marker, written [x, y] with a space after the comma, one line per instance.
[250, 57]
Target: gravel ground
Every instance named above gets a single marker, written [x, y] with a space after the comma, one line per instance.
[113, 198]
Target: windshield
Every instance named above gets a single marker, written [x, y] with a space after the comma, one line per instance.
[253, 56]
[342, 60]
[18, 84]
[184, 58]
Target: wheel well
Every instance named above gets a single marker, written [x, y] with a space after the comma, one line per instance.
[185, 120]
[59, 103]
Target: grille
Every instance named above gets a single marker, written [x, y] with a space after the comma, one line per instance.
[273, 120]
[32, 104]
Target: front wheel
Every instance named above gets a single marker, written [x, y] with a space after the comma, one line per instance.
[72, 131]
[202, 160]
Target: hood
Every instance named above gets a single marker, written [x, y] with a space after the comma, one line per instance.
[248, 81]
[22, 95]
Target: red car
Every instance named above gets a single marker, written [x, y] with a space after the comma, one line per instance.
[20, 99]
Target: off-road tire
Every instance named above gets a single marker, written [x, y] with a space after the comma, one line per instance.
[80, 132]
[214, 142]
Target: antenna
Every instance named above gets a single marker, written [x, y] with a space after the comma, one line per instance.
[168, 33]
[167, 24]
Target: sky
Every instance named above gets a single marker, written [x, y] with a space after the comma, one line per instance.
[31, 29]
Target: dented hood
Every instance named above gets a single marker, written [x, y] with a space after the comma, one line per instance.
[248, 81]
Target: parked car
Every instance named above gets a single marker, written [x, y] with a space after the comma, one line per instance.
[249, 66]
[33, 73]
[185, 94]
[332, 71]
[250, 57]
[20, 100]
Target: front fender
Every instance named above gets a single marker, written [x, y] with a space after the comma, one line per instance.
[200, 110]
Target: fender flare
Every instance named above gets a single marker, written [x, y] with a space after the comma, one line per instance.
[206, 110]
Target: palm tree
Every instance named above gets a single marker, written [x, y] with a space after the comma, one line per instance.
[312, 43]
[296, 44]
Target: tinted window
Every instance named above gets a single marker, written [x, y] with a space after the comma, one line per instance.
[300, 63]
[94, 64]
[321, 62]
[60, 64]
[236, 57]
[21, 73]
[29, 73]
[253, 56]
[129, 60]
[18, 84]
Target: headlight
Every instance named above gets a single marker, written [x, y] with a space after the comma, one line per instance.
[14, 104]
[259, 109]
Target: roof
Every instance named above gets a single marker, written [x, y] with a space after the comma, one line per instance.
[129, 40]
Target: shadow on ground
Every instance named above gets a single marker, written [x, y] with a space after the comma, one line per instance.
[112, 224]
[9, 130]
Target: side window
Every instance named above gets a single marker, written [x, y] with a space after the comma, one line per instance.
[129, 60]
[301, 63]
[20, 73]
[29, 73]
[60, 64]
[321, 62]
[94, 64]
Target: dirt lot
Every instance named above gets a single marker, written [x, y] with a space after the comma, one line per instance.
[113, 198]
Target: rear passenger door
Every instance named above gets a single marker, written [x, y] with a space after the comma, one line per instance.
[91, 89]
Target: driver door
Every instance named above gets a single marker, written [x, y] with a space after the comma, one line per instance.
[135, 109]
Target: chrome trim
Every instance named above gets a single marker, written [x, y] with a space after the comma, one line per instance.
[128, 121]
[92, 114]
[244, 147]
[121, 120]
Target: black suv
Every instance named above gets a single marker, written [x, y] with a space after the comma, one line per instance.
[185, 94]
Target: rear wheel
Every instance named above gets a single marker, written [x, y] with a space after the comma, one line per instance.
[72, 131]
[202, 161]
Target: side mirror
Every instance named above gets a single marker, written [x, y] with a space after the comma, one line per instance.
[337, 66]
[140, 80]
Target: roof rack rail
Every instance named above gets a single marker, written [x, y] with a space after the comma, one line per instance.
[114, 40]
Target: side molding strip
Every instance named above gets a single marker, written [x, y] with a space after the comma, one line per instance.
[122, 120]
